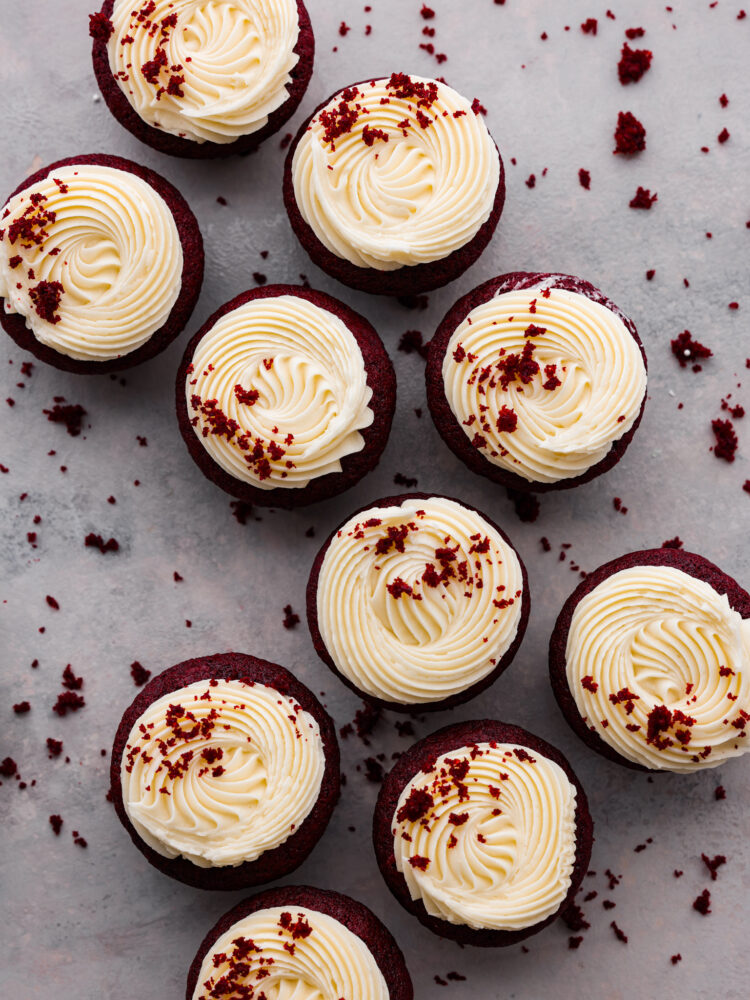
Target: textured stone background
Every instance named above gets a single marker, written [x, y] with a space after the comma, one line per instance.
[101, 922]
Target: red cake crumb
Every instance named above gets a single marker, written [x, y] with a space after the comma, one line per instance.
[68, 701]
[575, 942]
[589, 26]
[713, 864]
[344, 29]
[507, 420]
[619, 934]
[531, 181]
[374, 770]
[723, 135]
[672, 543]
[618, 505]
[259, 278]
[100, 27]
[724, 100]
[78, 840]
[720, 793]
[726, 440]
[420, 863]
[22, 707]
[291, 620]
[139, 673]
[52, 602]
[702, 903]
[427, 12]
[687, 350]
[8, 767]
[633, 64]
[676, 958]
[242, 511]
[177, 578]
[643, 198]
[574, 919]
[56, 823]
[93, 541]
[409, 482]
[411, 342]
[526, 505]
[286, 140]
[650, 275]
[54, 747]
[584, 179]
[69, 414]
[630, 135]
[633, 33]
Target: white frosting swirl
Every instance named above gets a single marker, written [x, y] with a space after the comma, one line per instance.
[578, 388]
[413, 191]
[420, 601]
[108, 243]
[221, 772]
[231, 59]
[290, 385]
[495, 845]
[290, 953]
[659, 666]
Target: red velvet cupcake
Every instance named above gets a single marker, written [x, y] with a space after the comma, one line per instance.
[650, 662]
[225, 771]
[394, 186]
[501, 820]
[536, 381]
[417, 602]
[202, 81]
[285, 396]
[303, 941]
[101, 264]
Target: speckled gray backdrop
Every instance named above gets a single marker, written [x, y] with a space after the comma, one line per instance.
[100, 922]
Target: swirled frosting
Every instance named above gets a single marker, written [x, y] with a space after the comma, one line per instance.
[420, 601]
[396, 172]
[205, 70]
[543, 381]
[278, 392]
[487, 837]
[293, 953]
[91, 258]
[221, 771]
[659, 666]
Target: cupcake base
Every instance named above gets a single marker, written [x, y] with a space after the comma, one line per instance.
[381, 378]
[687, 562]
[173, 145]
[423, 755]
[192, 276]
[445, 420]
[286, 857]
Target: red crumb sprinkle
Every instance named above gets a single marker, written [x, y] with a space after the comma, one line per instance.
[427, 12]
[93, 541]
[78, 840]
[633, 33]
[139, 673]
[630, 135]
[259, 278]
[633, 64]
[477, 107]
[688, 350]
[52, 603]
[69, 414]
[713, 864]
[420, 863]
[408, 481]
[724, 100]
[589, 26]
[46, 298]
[507, 420]
[650, 275]
[723, 136]
[575, 942]
[619, 934]
[399, 587]
[291, 620]
[56, 823]
[720, 793]
[676, 958]
[418, 804]
[100, 27]
[734, 305]
[673, 543]
[54, 747]
[574, 919]
[526, 505]
[531, 181]
[726, 440]
[589, 684]
[68, 701]
[286, 140]
[746, 486]
[22, 707]
[643, 198]
[344, 29]
[242, 511]
[8, 767]
[702, 903]
[584, 179]
[412, 342]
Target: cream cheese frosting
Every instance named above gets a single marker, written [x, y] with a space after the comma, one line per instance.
[543, 381]
[91, 258]
[277, 392]
[396, 172]
[420, 601]
[204, 70]
[290, 953]
[219, 772]
[659, 666]
[487, 837]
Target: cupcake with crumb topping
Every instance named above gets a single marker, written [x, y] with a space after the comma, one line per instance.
[650, 662]
[202, 78]
[225, 771]
[299, 942]
[537, 381]
[395, 186]
[482, 832]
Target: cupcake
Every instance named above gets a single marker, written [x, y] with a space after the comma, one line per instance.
[225, 771]
[101, 264]
[417, 602]
[650, 662]
[202, 80]
[299, 942]
[536, 381]
[285, 396]
[394, 186]
[482, 832]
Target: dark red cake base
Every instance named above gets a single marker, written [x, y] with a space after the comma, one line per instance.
[381, 378]
[434, 706]
[405, 281]
[173, 145]
[689, 563]
[192, 275]
[422, 756]
[449, 427]
[352, 914]
[272, 864]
